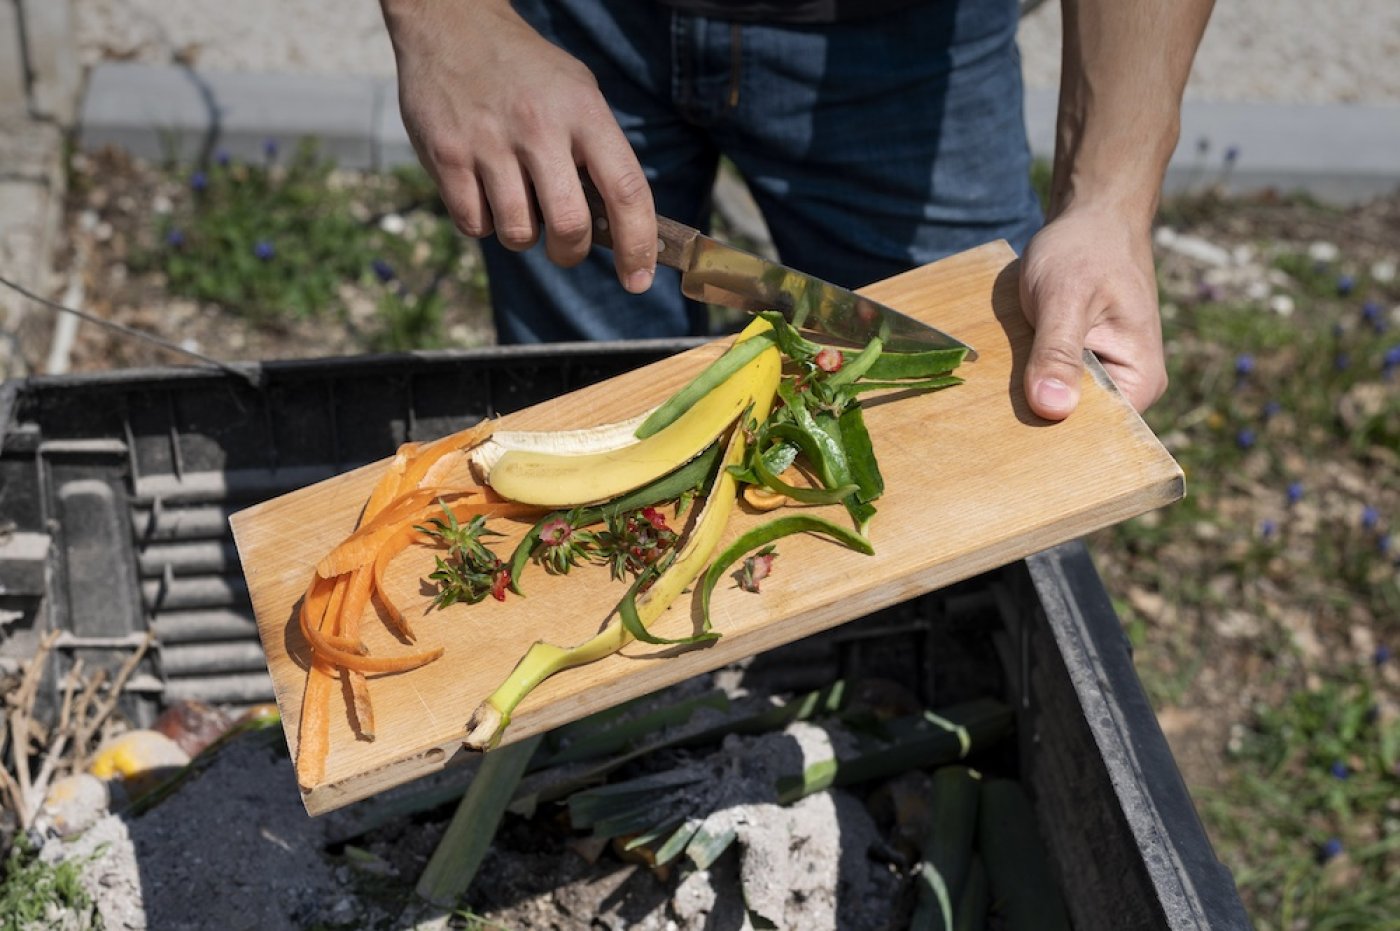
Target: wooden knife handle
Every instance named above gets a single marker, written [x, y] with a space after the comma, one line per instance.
[674, 241]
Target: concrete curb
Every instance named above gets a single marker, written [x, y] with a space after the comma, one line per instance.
[1342, 154]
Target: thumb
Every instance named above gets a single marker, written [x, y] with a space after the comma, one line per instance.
[1056, 364]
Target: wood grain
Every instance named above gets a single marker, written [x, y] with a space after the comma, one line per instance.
[973, 481]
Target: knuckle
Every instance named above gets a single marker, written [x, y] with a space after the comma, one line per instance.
[447, 154]
[631, 188]
[1157, 384]
[516, 235]
[527, 118]
[640, 255]
[1057, 355]
[475, 227]
[571, 226]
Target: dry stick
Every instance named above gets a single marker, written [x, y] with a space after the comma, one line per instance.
[7, 782]
[84, 728]
[62, 732]
[21, 716]
[114, 694]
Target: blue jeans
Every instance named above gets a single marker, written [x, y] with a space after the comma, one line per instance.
[871, 147]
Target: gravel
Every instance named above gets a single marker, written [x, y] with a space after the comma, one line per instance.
[1277, 51]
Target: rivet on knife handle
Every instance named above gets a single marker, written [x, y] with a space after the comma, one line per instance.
[674, 240]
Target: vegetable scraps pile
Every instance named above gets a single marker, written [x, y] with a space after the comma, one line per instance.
[747, 426]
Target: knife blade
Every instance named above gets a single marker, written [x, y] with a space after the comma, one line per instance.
[717, 273]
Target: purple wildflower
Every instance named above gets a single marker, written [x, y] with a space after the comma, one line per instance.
[1381, 656]
[1295, 492]
[1370, 517]
[1268, 528]
[1271, 410]
[1232, 154]
[199, 181]
[270, 149]
[264, 250]
[1371, 313]
[1244, 365]
[383, 270]
[1244, 439]
[175, 238]
[222, 158]
[1391, 359]
[1340, 770]
[1383, 543]
[1330, 850]
[1345, 285]
[1341, 361]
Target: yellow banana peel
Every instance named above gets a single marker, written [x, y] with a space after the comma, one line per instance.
[562, 479]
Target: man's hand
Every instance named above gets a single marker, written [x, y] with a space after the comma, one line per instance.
[503, 120]
[1087, 282]
[1087, 277]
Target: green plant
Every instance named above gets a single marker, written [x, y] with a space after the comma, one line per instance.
[1321, 840]
[281, 241]
[267, 241]
[32, 890]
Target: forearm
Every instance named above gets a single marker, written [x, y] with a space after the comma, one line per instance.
[505, 120]
[417, 23]
[1124, 69]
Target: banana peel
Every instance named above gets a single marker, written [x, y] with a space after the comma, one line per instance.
[571, 479]
[754, 388]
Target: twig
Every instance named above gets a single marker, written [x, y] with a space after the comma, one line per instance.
[21, 719]
[86, 726]
[58, 742]
[114, 693]
[7, 782]
[12, 790]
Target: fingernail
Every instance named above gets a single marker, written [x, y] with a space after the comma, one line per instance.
[639, 280]
[1054, 395]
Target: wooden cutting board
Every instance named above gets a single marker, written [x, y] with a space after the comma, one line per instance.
[973, 480]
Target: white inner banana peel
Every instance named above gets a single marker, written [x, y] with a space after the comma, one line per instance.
[600, 439]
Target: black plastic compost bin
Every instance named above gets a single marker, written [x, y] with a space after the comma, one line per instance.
[115, 492]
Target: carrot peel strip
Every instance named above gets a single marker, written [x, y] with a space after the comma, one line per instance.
[330, 653]
[428, 456]
[406, 537]
[314, 733]
[361, 548]
[359, 700]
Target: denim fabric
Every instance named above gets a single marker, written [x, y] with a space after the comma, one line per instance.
[871, 147]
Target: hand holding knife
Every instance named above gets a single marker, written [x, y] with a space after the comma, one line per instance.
[716, 273]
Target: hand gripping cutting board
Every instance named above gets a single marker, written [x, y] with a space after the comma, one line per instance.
[973, 481]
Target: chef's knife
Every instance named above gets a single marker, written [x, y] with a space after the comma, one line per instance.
[717, 273]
